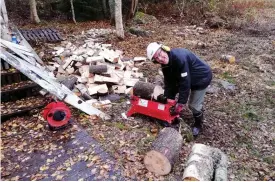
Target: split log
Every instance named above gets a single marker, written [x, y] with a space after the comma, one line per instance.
[97, 69]
[84, 71]
[144, 90]
[130, 82]
[94, 89]
[109, 55]
[102, 91]
[129, 91]
[119, 89]
[70, 70]
[127, 74]
[102, 79]
[137, 75]
[165, 151]
[95, 59]
[203, 162]
[67, 63]
[158, 90]
[139, 59]
[102, 104]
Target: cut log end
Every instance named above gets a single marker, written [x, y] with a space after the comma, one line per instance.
[190, 179]
[157, 163]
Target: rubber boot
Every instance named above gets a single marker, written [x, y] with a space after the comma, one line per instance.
[197, 127]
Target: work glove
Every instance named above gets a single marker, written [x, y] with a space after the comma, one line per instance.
[178, 109]
[162, 99]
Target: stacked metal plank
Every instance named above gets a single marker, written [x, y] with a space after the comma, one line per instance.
[43, 34]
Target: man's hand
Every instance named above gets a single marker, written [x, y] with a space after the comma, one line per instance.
[178, 109]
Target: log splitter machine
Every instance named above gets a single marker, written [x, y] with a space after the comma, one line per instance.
[160, 109]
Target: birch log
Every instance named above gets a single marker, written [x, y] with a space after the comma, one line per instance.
[203, 162]
[164, 152]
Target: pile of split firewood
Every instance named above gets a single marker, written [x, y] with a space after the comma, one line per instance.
[94, 69]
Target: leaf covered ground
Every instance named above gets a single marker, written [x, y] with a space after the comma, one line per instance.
[239, 121]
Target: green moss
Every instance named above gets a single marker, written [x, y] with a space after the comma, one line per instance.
[139, 15]
[269, 159]
[228, 77]
[120, 126]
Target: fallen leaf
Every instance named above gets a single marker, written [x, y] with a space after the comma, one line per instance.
[95, 158]
[106, 166]
[93, 171]
[43, 168]
[90, 164]
[59, 177]
[16, 178]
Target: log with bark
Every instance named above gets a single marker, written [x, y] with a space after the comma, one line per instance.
[97, 69]
[144, 90]
[69, 82]
[164, 152]
[147, 90]
[206, 164]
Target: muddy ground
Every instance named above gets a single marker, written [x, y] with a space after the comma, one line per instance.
[239, 120]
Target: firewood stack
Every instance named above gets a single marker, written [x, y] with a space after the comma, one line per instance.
[98, 69]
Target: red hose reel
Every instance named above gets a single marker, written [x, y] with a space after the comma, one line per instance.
[57, 107]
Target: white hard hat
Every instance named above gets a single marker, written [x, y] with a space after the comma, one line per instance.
[152, 49]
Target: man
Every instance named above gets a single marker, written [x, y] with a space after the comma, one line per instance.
[183, 71]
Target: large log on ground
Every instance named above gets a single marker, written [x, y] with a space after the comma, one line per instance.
[205, 164]
[144, 90]
[221, 168]
[97, 69]
[164, 152]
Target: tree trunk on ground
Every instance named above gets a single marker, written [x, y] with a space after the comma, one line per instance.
[164, 152]
[33, 12]
[204, 162]
[118, 19]
[144, 90]
[72, 9]
[221, 168]
[112, 11]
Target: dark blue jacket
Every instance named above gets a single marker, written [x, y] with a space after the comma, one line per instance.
[184, 71]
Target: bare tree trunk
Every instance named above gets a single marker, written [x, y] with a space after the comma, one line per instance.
[72, 8]
[118, 19]
[132, 10]
[112, 11]
[104, 8]
[33, 11]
